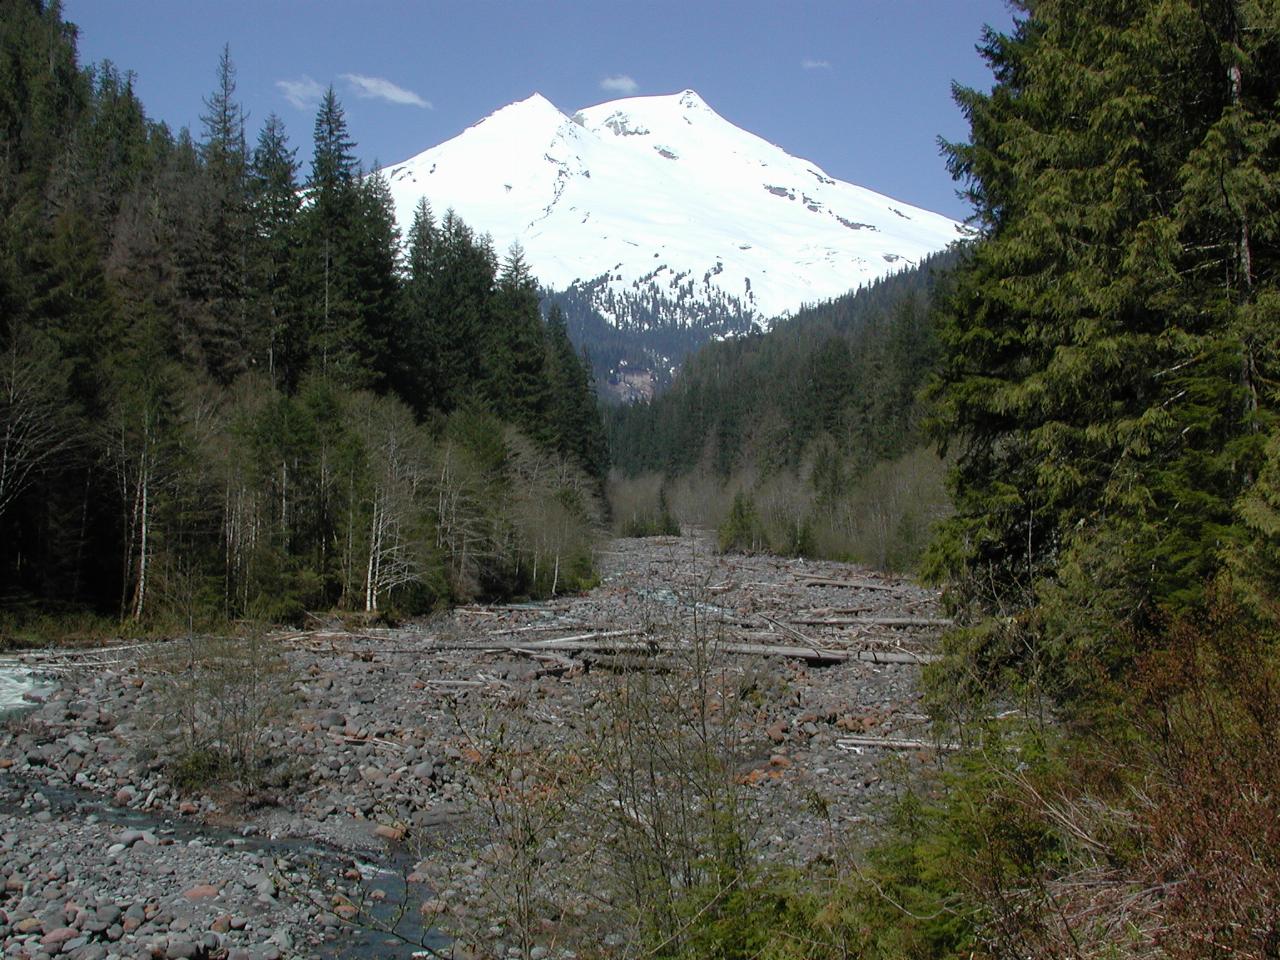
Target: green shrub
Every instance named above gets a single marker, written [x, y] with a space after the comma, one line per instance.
[197, 768]
[742, 531]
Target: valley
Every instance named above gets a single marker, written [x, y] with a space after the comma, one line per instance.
[447, 750]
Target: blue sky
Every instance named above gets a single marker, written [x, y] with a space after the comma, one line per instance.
[860, 87]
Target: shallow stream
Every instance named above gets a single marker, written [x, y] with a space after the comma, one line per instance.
[15, 683]
[394, 928]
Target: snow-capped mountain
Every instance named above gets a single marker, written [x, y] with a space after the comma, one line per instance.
[661, 196]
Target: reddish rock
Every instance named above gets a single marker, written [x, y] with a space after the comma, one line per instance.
[55, 938]
[201, 891]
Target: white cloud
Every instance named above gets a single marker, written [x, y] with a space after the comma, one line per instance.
[377, 88]
[808, 64]
[303, 93]
[619, 84]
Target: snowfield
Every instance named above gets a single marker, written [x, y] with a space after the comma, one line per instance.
[663, 192]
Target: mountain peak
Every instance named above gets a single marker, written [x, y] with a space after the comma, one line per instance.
[533, 105]
[535, 99]
[661, 196]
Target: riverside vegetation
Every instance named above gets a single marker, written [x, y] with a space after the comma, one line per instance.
[1069, 424]
[807, 441]
[229, 394]
[1104, 396]
[583, 777]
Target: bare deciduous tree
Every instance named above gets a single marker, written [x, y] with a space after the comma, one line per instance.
[33, 424]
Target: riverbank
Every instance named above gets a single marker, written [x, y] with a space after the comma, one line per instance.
[387, 744]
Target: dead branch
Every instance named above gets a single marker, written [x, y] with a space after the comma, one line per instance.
[874, 621]
[890, 743]
[851, 584]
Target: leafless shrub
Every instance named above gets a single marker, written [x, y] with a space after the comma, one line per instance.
[219, 699]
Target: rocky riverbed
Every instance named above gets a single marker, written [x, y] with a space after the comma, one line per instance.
[375, 775]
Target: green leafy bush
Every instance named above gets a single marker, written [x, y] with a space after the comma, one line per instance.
[742, 531]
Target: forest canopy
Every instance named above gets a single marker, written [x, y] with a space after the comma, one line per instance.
[232, 387]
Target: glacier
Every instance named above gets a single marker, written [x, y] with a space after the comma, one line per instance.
[662, 194]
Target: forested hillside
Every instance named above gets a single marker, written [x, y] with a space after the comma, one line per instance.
[817, 424]
[635, 352]
[229, 388]
[1109, 353]
[1105, 392]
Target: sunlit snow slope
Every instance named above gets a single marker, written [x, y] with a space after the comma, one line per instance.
[663, 193]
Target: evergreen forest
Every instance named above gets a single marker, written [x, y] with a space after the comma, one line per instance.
[1097, 371]
[811, 437]
[230, 388]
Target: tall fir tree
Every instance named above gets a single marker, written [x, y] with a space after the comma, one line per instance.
[375, 275]
[275, 312]
[418, 375]
[515, 359]
[576, 429]
[332, 315]
[228, 342]
[1102, 366]
[462, 288]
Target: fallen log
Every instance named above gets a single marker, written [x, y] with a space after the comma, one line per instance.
[554, 664]
[817, 656]
[874, 621]
[851, 584]
[537, 628]
[80, 653]
[552, 642]
[786, 628]
[824, 656]
[890, 743]
[628, 663]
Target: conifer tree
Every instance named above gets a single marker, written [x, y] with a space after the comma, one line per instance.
[326, 246]
[576, 426]
[1103, 361]
[225, 225]
[111, 149]
[461, 294]
[374, 260]
[276, 317]
[417, 374]
[516, 375]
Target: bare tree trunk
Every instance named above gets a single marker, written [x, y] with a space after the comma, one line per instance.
[375, 546]
[284, 504]
[78, 571]
[140, 593]
[1236, 80]
[131, 492]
